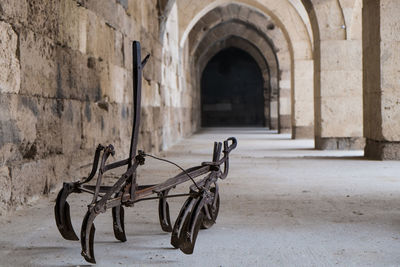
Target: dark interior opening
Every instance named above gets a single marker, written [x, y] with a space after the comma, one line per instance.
[232, 91]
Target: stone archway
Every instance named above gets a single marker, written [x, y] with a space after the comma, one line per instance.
[245, 45]
[296, 103]
[232, 90]
[260, 33]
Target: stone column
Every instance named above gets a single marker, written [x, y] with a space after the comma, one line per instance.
[302, 104]
[338, 79]
[284, 116]
[340, 99]
[381, 82]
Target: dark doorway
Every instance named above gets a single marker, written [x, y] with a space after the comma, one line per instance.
[232, 91]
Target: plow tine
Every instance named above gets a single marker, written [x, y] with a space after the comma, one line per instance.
[191, 227]
[179, 223]
[62, 214]
[163, 213]
[118, 223]
[211, 209]
[87, 236]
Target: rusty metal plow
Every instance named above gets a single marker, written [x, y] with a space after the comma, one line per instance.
[200, 210]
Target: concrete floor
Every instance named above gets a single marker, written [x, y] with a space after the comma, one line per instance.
[283, 204]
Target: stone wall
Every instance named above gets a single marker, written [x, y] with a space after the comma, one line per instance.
[66, 85]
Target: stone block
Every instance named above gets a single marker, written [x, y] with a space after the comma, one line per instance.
[304, 113]
[26, 112]
[390, 115]
[151, 94]
[71, 127]
[303, 132]
[341, 83]
[329, 14]
[5, 192]
[118, 58]
[10, 134]
[243, 13]
[341, 116]
[83, 26]
[382, 150]
[48, 140]
[127, 53]
[390, 64]
[339, 143]
[341, 55]
[69, 24]
[118, 80]
[100, 38]
[135, 17]
[10, 75]
[107, 11]
[302, 50]
[29, 180]
[38, 64]
[100, 126]
[43, 17]
[284, 60]
[285, 123]
[15, 12]
[390, 21]
[372, 111]
[77, 76]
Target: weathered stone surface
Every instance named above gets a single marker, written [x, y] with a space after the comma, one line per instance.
[341, 55]
[14, 11]
[381, 79]
[43, 17]
[72, 25]
[5, 192]
[339, 143]
[339, 122]
[10, 77]
[382, 150]
[303, 132]
[38, 64]
[66, 85]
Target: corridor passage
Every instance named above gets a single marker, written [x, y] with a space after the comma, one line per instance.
[283, 204]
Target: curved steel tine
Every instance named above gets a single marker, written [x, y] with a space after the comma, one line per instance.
[178, 226]
[118, 222]
[95, 164]
[207, 212]
[87, 236]
[192, 227]
[62, 213]
[163, 212]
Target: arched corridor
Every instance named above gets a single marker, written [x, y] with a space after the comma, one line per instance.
[232, 92]
[283, 204]
[314, 182]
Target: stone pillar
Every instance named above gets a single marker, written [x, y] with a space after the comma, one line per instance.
[302, 104]
[338, 80]
[284, 116]
[340, 99]
[274, 114]
[381, 66]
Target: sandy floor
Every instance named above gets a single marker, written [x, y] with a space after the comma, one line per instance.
[283, 204]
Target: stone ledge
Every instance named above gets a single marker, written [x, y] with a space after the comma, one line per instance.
[382, 150]
[339, 143]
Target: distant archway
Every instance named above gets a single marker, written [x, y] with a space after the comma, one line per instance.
[232, 92]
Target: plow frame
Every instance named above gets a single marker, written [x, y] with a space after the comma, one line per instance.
[199, 211]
